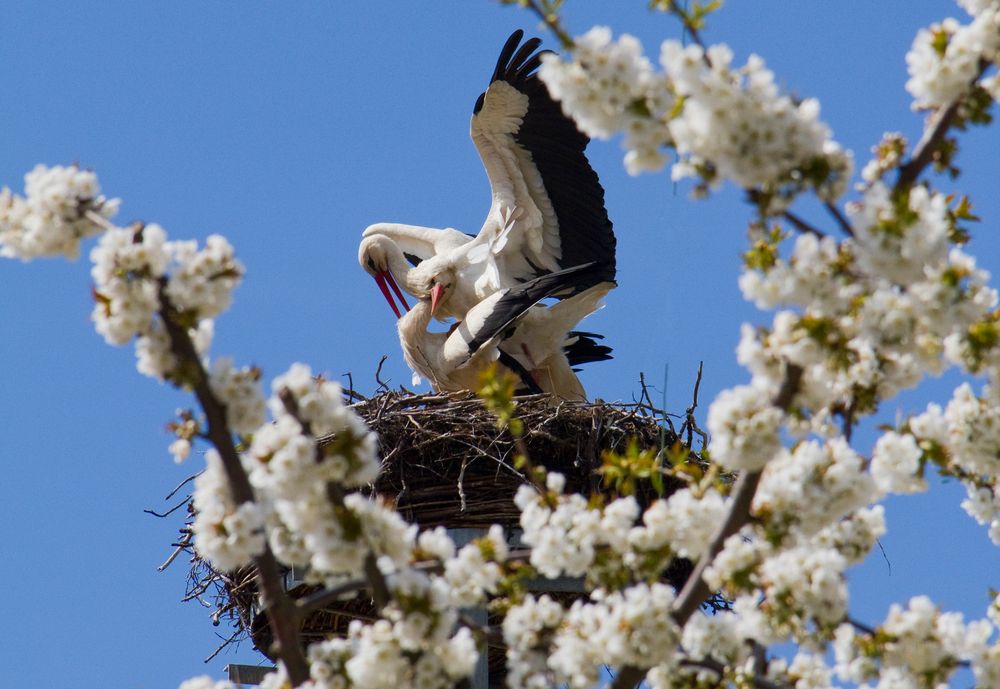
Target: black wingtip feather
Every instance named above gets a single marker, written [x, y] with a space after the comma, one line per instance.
[514, 69]
[508, 49]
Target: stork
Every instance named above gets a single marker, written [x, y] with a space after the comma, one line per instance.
[533, 341]
[547, 212]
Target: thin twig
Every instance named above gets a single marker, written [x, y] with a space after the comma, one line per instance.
[690, 423]
[173, 509]
[173, 556]
[835, 213]
[801, 225]
[183, 483]
[378, 373]
[932, 138]
[225, 643]
[551, 20]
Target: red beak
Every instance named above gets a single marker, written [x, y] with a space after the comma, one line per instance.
[437, 291]
[385, 281]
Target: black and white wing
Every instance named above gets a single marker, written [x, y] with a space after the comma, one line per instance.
[493, 319]
[548, 208]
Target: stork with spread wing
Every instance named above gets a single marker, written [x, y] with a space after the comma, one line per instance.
[547, 212]
[533, 341]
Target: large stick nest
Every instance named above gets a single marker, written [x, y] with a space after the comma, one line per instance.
[445, 462]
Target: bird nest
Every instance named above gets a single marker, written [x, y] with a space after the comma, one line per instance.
[446, 463]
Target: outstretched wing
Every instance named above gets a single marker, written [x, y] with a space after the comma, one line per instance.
[548, 205]
[494, 318]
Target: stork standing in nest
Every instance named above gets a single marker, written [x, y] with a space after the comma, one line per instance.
[547, 212]
[533, 341]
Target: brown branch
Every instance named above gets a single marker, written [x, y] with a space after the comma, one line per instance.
[932, 138]
[335, 493]
[801, 225]
[551, 20]
[696, 589]
[279, 608]
[842, 222]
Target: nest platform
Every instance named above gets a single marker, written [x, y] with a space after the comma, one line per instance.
[445, 463]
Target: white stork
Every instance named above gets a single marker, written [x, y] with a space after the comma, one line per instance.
[533, 341]
[547, 212]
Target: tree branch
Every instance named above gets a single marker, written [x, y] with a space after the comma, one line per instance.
[551, 20]
[933, 135]
[842, 222]
[696, 589]
[801, 225]
[335, 493]
[279, 609]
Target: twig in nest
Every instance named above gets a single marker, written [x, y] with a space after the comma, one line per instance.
[461, 484]
[183, 483]
[382, 385]
[690, 423]
[168, 512]
[181, 547]
[225, 643]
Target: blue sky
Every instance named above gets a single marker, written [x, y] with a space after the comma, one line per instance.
[289, 127]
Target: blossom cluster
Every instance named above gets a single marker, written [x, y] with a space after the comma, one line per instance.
[869, 315]
[726, 123]
[858, 320]
[62, 205]
[918, 646]
[944, 61]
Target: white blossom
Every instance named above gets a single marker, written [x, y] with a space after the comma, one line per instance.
[896, 465]
[239, 391]
[609, 86]
[52, 218]
[944, 58]
[226, 534]
[203, 280]
[814, 485]
[744, 427]
[684, 522]
[125, 272]
[900, 249]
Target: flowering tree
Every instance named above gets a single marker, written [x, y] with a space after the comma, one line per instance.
[861, 313]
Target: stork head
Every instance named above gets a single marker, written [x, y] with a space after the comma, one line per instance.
[373, 255]
[434, 280]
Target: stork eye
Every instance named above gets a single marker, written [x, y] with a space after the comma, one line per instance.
[371, 263]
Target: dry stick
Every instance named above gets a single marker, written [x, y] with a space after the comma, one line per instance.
[801, 225]
[551, 20]
[932, 138]
[839, 217]
[689, 421]
[279, 608]
[696, 589]
[225, 643]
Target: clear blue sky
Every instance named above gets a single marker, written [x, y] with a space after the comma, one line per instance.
[289, 127]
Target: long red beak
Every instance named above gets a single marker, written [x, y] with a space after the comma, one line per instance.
[385, 281]
[437, 291]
